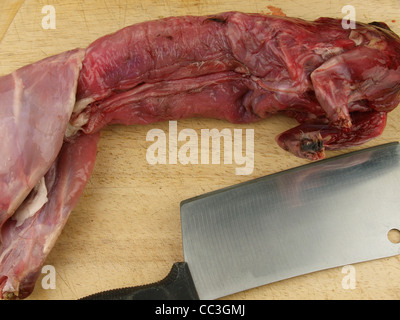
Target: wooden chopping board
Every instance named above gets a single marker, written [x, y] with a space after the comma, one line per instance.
[126, 228]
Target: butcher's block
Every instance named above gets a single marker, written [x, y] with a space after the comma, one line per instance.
[126, 228]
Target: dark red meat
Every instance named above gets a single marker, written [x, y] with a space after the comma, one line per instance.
[245, 67]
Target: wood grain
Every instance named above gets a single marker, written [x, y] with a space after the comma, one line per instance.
[126, 228]
[7, 14]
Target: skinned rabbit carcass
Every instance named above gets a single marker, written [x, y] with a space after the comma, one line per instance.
[339, 84]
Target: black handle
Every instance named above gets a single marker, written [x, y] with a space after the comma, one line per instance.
[177, 285]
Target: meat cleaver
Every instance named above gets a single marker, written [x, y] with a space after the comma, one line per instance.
[321, 215]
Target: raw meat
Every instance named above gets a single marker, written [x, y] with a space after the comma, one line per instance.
[338, 83]
[245, 67]
[27, 242]
[36, 104]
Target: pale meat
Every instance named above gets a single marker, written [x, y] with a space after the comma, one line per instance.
[36, 103]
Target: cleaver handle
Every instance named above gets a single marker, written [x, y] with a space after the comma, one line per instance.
[177, 285]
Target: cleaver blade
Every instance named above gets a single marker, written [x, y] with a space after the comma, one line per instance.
[325, 214]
